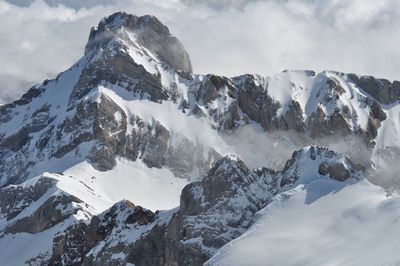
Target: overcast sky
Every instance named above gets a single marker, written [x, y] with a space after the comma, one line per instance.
[40, 38]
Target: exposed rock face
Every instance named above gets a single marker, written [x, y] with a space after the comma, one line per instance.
[319, 161]
[125, 73]
[38, 207]
[71, 247]
[325, 117]
[335, 170]
[217, 210]
[381, 89]
[15, 199]
[193, 233]
[156, 146]
[250, 100]
[51, 212]
[149, 32]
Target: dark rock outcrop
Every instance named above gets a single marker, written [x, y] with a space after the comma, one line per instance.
[51, 212]
[382, 90]
[71, 247]
[216, 210]
[318, 160]
[14, 199]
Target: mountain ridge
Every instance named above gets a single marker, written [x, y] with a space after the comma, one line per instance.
[129, 127]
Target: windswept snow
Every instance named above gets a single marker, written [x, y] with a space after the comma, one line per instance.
[324, 222]
[152, 188]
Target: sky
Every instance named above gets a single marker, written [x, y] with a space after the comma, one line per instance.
[40, 38]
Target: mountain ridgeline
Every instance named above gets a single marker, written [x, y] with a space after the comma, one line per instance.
[133, 101]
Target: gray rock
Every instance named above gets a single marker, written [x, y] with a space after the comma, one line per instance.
[71, 247]
[337, 166]
[384, 91]
[151, 34]
[51, 212]
[216, 210]
[14, 199]
[156, 145]
[335, 170]
[124, 72]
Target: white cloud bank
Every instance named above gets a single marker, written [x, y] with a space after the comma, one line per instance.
[39, 38]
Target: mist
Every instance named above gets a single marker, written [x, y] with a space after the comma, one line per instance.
[40, 38]
[259, 148]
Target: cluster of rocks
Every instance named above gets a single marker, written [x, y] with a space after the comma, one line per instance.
[383, 90]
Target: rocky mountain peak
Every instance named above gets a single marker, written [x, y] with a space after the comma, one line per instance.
[311, 162]
[144, 31]
[228, 168]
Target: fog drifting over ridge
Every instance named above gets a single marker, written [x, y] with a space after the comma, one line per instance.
[40, 38]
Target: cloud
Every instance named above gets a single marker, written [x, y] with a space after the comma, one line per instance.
[227, 37]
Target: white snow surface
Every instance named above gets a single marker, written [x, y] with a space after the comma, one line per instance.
[324, 222]
[152, 188]
[155, 189]
[16, 249]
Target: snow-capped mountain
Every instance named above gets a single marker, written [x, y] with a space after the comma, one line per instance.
[130, 157]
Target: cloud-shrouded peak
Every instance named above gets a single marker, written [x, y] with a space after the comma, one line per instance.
[133, 22]
[146, 31]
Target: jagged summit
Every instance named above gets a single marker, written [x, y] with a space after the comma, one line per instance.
[147, 31]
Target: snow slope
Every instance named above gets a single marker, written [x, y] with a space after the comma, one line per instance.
[157, 189]
[324, 222]
[19, 248]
